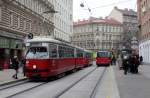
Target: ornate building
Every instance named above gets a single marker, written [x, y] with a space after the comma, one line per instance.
[97, 33]
[18, 18]
[128, 18]
[144, 26]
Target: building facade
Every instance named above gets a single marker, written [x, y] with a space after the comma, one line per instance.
[18, 18]
[128, 18]
[144, 26]
[97, 33]
[63, 20]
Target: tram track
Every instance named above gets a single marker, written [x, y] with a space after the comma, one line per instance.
[20, 87]
[98, 83]
[68, 88]
[92, 95]
[26, 90]
[56, 82]
[3, 87]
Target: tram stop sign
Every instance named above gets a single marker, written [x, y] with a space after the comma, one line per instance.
[30, 36]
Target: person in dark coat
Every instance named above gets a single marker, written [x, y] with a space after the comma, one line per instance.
[141, 59]
[15, 63]
[134, 63]
[23, 62]
[113, 60]
[125, 63]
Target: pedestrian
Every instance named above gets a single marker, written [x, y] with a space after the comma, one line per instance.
[137, 63]
[113, 60]
[141, 60]
[23, 63]
[119, 60]
[134, 63]
[15, 63]
[125, 63]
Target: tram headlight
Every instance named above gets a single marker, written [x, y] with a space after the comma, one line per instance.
[34, 66]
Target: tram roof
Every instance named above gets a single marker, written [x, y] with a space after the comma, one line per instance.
[102, 51]
[43, 39]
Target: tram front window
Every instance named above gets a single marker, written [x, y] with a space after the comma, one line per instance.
[37, 52]
[102, 54]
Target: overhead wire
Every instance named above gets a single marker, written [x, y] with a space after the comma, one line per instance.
[88, 8]
[119, 2]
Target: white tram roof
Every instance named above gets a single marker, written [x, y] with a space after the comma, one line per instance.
[43, 39]
[103, 51]
[87, 50]
[79, 48]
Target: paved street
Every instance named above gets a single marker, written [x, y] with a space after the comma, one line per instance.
[114, 83]
[6, 75]
[134, 85]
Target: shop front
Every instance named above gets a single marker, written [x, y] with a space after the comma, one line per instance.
[9, 47]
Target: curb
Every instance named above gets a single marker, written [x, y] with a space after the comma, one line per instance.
[13, 81]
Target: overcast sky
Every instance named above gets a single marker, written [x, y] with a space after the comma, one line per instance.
[99, 8]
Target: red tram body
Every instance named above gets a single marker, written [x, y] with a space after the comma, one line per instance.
[48, 57]
[103, 58]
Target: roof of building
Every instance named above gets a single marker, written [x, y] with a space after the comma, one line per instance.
[97, 20]
[126, 11]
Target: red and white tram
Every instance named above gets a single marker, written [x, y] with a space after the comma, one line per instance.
[47, 57]
[103, 58]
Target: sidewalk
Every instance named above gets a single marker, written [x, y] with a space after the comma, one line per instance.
[6, 75]
[134, 85]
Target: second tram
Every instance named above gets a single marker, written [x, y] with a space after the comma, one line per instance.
[103, 58]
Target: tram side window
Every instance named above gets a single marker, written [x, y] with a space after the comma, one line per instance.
[69, 52]
[79, 53]
[88, 55]
[66, 51]
[61, 51]
[53, 51]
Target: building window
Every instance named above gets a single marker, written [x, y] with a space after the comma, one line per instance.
[18, 22]
[0, 14]
[11, 19]
[30, 27]
[24, 24]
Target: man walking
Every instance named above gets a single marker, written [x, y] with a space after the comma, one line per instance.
[15, 63]
[125, 63]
